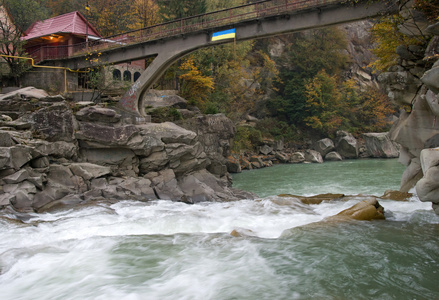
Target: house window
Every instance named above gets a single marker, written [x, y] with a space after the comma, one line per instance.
[117, 75]
[127, 76]
[136, 76]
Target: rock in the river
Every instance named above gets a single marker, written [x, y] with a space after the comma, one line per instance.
[333, 156]
[366, 210]
[347, 145]
[54, 123]
[379, 145]
[324, 146]
[297, 157]
[98, 114]
[428, 187]
[313, 156]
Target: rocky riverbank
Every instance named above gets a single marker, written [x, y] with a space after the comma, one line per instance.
[345, 146]
[56, 154]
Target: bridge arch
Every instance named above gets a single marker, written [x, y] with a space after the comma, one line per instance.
[176, 39]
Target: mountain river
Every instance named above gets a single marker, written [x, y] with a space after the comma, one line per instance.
[165, 250]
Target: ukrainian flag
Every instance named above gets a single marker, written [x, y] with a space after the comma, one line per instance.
[222, 35]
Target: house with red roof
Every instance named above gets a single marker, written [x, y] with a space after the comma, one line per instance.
[56, 37]
[62, 35]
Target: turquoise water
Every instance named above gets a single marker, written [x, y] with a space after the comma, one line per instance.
[351, 177]
[166, 250]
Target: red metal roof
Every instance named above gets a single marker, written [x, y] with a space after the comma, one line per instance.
[73, 23]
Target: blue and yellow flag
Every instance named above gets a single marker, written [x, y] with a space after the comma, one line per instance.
[222, 35]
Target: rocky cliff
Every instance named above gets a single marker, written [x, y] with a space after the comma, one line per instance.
[414, 85]
[56, 154]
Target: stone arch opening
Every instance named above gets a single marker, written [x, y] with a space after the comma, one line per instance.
[136, 76]
[127, 75]
[117, 75]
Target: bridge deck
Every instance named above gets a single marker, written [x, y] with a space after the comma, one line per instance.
[207, 21]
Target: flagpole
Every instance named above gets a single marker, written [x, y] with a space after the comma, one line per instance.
[87, 8]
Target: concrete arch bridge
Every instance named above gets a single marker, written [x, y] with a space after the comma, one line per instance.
[170, 41]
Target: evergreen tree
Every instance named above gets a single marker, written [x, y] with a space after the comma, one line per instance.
[177, 9]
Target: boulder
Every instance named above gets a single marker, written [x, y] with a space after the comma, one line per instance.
[366, 210]
[54, 123]
[431, 79]
[313, 156]
[6, 139]
[265, 150]
[166, 186]
[346, 145]
[168, 133]
[233, 165]
[22, 201]
[333, 156]
[134, 188]
[67, 202]
[16, 157]
[98, 114]
[324, 146]
[297, 157]
[89, 171]
[433, 102]
[40, 163]
[157, 161]
[17, 177]
[61, 149]
[282, 157]
[28, 92]
[416, 130]
[93, 135]
[155, 99]
[428, 187]
[379, 145]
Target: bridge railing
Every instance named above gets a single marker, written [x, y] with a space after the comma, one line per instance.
[216, 19]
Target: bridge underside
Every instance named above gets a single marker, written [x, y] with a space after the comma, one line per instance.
[169, 50]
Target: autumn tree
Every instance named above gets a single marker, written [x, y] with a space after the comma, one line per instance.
[144, 13]
[306, 55]
[322, 103]
[12, 45]
[388, 37]
[26, 12]
[195, 87]
[177, 9]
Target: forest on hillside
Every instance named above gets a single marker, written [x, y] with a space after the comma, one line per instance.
[305, 89]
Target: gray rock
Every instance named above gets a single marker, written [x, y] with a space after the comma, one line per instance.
[333, 156]
[98, 114]
[313, 156]
[166, 186]
[433, 29]
[62, 177]
[433, 102]
[92, 135]
[134, 188]
[5, 199]
[282, 157]
[28, 92]
[67, 202]
[55, 149]
[431, 79]
[24, 186]
[22, 201]
[54, 123]
[233, 165]
[297, 157]
[324, 146]
[265, 150]
[17, 177]
[16, 157]
[39, 163]
[429, 158]
[6, 139]
[379, 145]
[155, 162]
[347, 145]
[89, 171]
[168, 133]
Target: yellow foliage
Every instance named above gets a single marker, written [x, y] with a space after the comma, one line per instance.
[195, 86]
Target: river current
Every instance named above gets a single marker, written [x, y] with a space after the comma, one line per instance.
[164, 250]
